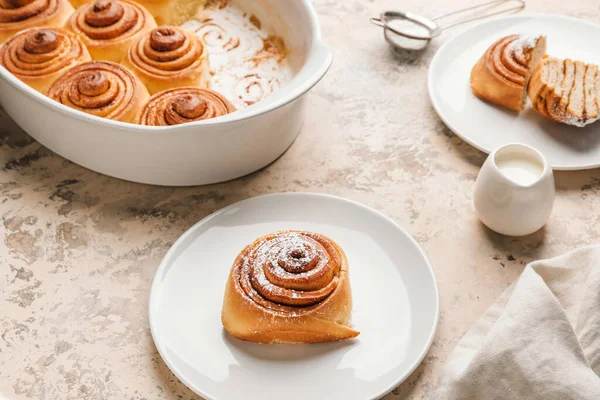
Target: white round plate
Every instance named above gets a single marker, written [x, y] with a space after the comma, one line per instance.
[487, 126]
[395, 298]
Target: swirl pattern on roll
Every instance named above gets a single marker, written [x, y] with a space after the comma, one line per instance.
[20, 10]
[100, 88]
[40, 52]
[180, 105]
[289, 271]
[16, 15]
[510, 60]
[167, 51]
[108, 19]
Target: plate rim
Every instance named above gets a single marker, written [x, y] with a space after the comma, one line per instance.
[167, 258]
[456, 36]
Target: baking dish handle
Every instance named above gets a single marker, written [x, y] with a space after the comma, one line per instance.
[324, 55]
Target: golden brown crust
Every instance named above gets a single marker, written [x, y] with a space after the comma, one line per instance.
[17, 15]
[289, 287]
[180, 105]
[78, 3]
[101, 88]
[501, 75]
[169, 57]
[109, 27]
[38, 56]
[535, 90]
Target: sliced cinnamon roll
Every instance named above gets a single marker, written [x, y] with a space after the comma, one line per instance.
[168, 57]
[502, 74]
[566, 91]
[38, 56]
[101, 88]
[109, 27]
[289, 287]
[180, 105]
[17, 15]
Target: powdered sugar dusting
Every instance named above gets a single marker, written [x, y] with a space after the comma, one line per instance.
[523, 43]
[294, 254]
[529, 41]
[275, 267]
[570, 119]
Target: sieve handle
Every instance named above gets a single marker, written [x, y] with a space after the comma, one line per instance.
[514, 9]
[377, 21]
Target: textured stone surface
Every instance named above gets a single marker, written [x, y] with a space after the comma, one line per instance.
[80, 249]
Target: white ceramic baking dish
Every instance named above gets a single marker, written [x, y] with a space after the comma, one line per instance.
[189, 154]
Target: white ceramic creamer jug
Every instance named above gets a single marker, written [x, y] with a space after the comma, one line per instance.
[514, 191]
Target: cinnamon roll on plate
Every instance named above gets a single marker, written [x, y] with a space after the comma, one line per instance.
[289, 287]
[566, 91]
[180, 105]
[17, 15]
[101, 88]
[38, 56]
[293, 287]
[502, 74]
[167, 57]
[109, 27]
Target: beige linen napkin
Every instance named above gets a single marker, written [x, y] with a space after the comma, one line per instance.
[540, 340]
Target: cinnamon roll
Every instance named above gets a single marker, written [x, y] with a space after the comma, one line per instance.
[17, 15]
[101, 88]
[180, 105]
[168, 57]
[289, 287]
[502, 74]
[109, 27]
[566, 91]
[38, 56]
